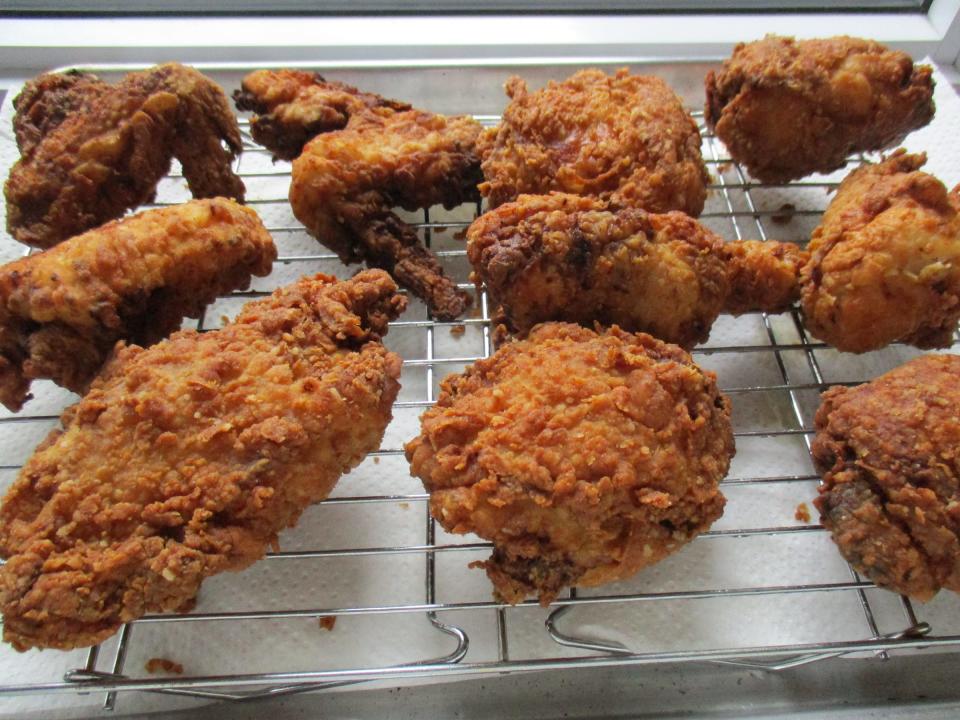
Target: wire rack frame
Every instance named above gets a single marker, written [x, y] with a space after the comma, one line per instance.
[107, 674]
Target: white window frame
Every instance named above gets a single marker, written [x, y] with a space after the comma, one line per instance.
[31, 44]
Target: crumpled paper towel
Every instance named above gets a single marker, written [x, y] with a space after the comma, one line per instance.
[396, 579]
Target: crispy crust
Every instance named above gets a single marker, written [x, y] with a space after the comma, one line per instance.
[885, 262]
[583, 456]
[595, 134]
[109, 154]
[786, 108]
[889, 452]
[62, 311]
[346, 183]
[186, 459]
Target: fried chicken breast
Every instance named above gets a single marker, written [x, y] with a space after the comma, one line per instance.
[885, 262]
[346, 183]
[888, 453]
[293, 106]
[63, 310]
[786, 108]
[583, 456]
[186, 459]
[596, 134]
[586, 260]
[92, 151]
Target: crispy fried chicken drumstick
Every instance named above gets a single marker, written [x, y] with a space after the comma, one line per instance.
[186, 459]
[586, 260]
[888, 453]
[885, 262]
[786, 108]
[92, 151]
[62, 311]
[293, 106]
[583, 456]
[595, 134]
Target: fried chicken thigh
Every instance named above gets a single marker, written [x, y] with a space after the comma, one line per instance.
[293, 107]
[346, 183]
[583, 456]
[62, 311]
[586, 260]
[92, 151]
[885, 262]
[888, 452]
[186, 459]
[625, 136]
[786, 108]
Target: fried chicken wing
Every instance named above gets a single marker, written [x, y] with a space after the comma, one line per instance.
[586, 260]
[786, 108]
[885, 262]
[92, 151]
[346, 182]
[594, 134]
[583, 456]
[62, 311]
[186, 459]
[888, 453]
[293, 106]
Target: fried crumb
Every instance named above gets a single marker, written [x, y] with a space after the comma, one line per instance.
[155, 665]
[440, 230]
[460, 234]
[404, 506]
[458, 330]
[803, 513]
[723, 168]
[327, 622]
[376, 460]
[784, 214]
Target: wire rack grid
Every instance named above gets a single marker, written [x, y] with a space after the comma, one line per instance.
[762, 360]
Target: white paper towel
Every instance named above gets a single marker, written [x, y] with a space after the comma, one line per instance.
[397, 579]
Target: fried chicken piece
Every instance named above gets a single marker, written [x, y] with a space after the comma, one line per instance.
[786, 108]
[624, 135]
[113, 146]
[293, 106]
[583, 456]
[885, 262]
[586, 260]
[888, 453]
[63, 310]
[346, 182]
[186, 459]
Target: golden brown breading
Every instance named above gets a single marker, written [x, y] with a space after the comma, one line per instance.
[346, 182]
[108, 155]
[293, 106]
[885, 262]
[763, 275]
[582, 456]
[594, 134]
[62, 311]
[49, 99]
[787, 108]
[187, 458]
[889, 452]
[585, 260]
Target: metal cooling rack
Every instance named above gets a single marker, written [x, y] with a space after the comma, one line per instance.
[748, 216]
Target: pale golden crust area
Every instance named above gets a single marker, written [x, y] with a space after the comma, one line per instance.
[786, 108]
[582, 456]
[585, 260]
[596, 134]
[186, 459]
[62, 311]
[112, 145]
[885, 262]
[889, 452]
[293, 106]
[346, 183]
